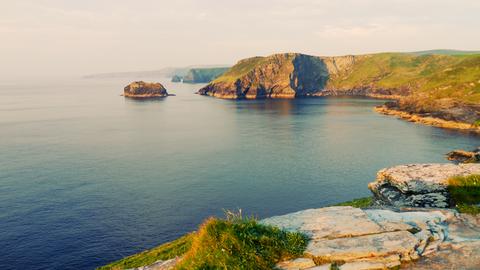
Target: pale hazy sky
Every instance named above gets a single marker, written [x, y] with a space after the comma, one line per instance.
[77, 37]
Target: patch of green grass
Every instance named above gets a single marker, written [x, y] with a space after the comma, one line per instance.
[243, 67]
[236, 242]
[241, 243]
[163, 252]
[468, 209]
[465, 193]
[358, 203]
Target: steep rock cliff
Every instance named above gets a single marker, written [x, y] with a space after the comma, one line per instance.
[277, 76]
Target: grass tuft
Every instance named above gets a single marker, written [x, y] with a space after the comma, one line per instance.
[241, 243]
[465, 193]
[358, 203]
[236, 242]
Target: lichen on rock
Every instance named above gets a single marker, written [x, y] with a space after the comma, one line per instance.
[352, 238]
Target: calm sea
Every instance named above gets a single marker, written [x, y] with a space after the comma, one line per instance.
[88, 177]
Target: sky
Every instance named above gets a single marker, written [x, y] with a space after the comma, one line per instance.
[48, 38]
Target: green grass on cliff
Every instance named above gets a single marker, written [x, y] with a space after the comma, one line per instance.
[465, 193]
[163, 252]
[241, 243]
[241, 69]
[236, 242]
[358, 203]
[433, 76]
[244, 66]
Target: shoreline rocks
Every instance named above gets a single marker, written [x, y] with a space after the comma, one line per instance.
[417, 185]
[427, 120]
[463, 156]
[141, 89]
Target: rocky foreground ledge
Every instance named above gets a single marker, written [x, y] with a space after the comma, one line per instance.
[411, 224]
[350, 238]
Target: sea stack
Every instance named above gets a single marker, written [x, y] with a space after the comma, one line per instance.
[141, 89]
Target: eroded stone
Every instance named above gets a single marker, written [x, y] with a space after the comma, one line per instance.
[418, 185]
[328, 222]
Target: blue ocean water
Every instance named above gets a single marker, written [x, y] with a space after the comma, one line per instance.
[88, 177]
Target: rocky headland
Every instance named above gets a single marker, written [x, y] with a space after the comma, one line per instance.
[278, 76]
[141, 89]
[438, 90]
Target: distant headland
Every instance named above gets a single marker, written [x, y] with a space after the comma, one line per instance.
[439, 87]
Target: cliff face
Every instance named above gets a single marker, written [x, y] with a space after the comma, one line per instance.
[277, 76]
[142, 89]
[293, 75]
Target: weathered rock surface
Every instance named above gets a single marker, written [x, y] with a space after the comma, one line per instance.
[418, 185]
[142, 89]
[390, 238]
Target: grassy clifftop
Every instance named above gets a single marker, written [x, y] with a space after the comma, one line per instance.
[246, 66]
[431, 76]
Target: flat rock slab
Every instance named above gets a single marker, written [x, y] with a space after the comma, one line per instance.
[425, 177]
[418, 185]
[402, 243]
[329, 222]
[354, 238]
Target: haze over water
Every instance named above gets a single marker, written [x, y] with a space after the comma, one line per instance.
[87, 176]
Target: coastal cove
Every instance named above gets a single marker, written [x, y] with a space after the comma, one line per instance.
[107, 177]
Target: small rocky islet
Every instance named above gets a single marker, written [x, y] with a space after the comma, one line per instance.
[144, 90]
